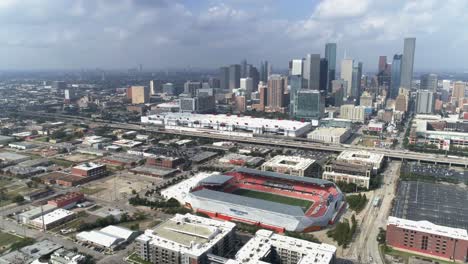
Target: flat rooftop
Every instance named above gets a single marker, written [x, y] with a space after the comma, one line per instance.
[360, 156]
[11, 156]
[428, 227]
[88, 166]
[293, 162]
[329, 131]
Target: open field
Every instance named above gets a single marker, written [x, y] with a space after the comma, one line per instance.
[79, 158]
[6, 240]
[304, 204]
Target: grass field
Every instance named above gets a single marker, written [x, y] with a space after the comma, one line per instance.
[304, 204]
[6, 240]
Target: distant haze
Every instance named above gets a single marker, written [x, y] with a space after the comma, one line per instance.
[113, 34]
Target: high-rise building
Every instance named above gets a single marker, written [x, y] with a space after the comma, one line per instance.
[401, 102]
[308, 104]
[190, 88]
[458, 91]
[59, 85]
[446, 85]
[382, 64]
[214, 82]
[264, 71]
[153, 87]
[330, 55]
[296, 67]
[338, 90]
[323, 81]
[140, 94]
[224, 78]
[168, 88]
[353, 113]
[234, 76]
[347, 75]
[311, 72]
[247, 85]
[395, 76]
[276, 88]
[425, 102]
[295, 84]
[408, 63]
[253, 73]
[366, 100]
[263, 91]
[243, 69]
[429, 82]
[356, 79]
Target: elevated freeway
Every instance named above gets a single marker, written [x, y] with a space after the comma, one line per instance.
[271, 141]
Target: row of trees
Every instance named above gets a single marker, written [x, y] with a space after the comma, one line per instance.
[111, 220]
[171, 206]
[343, 232]
[357, 202]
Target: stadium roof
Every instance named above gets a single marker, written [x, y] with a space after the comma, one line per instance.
[216, 179]
[249, 202]
[283, 176]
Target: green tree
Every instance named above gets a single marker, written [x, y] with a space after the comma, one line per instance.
[18, 199]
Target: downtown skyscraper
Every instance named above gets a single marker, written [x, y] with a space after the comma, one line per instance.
[311, 72]
[330, 55]
[408, 63]
[395, 76]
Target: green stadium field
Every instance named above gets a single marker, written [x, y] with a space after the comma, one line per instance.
[304, 204]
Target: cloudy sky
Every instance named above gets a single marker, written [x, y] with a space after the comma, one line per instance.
[73, 34]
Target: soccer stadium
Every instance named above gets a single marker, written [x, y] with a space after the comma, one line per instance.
[266, 199]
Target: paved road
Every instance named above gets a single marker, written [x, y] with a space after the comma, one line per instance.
[283, 142]
[365, 247]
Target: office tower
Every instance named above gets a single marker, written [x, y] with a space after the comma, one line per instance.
[198, 104]
[253, 73]
[458, 91]
[243, 69]
[396, 76]
[347, 75]
[425, 102]
[353, 113]
[152, 88]
[276, 88]
[295, 84]
[308, 104]
[296, 67]
[59, 85]
[408, 62]
[70, 95]
[446, 85]
[323, 75]
[311, 72]
[429, 82]
[190, 88]
[140, 94]
[382, 64]
[264, 71]
[338, 91]
[366, 100]
[247, 85]
[168, 88]
[330, 55]
[263, 91]
[356, 79]
[224, 78]
[401, 102]
[214, 82]
[234, 76]
[240, 103]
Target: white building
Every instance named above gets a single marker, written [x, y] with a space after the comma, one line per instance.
[35, 212]
[108, 237]
[246, 84]
[63, 256]
[292, 165]
[334, 135]
[362, 157]
[180, 191]
[266, 243]
[228, 125]
[353, 113]
[186, 239]
[52, 219]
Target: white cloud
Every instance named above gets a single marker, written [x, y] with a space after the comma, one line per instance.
[341, 8]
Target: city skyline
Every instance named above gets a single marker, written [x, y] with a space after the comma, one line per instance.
[206, 34]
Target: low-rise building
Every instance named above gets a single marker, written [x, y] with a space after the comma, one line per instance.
[333, 135]
[52, 219]
[67, 200]
[428, 239]
[34, 212]
[63, 256]
[241, 160]
[292, 165]
[153, 171]
[186, 239]
[89, 169]
[108, 237]
[22, 145]
[164, 161]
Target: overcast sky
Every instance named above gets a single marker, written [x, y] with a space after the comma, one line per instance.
[74, 34]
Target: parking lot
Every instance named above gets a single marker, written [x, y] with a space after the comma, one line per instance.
[435, 172]
[437, 203]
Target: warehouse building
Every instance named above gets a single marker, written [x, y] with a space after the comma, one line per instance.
[108, 237]
[35, 212]
[292, 165]
[186, 239]
[52, 219]
[89, 169]
[67, 200]
[333, 135]
[228, 124]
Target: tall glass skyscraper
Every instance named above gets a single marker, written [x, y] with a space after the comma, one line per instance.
[330, 55]
[308, 104]
[396, 76]
[408, 62]
[295, 84]
[356, 81]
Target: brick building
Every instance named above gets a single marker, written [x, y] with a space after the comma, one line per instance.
[89, 170]
[67, 200]
[163, 161]
[426, 238]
